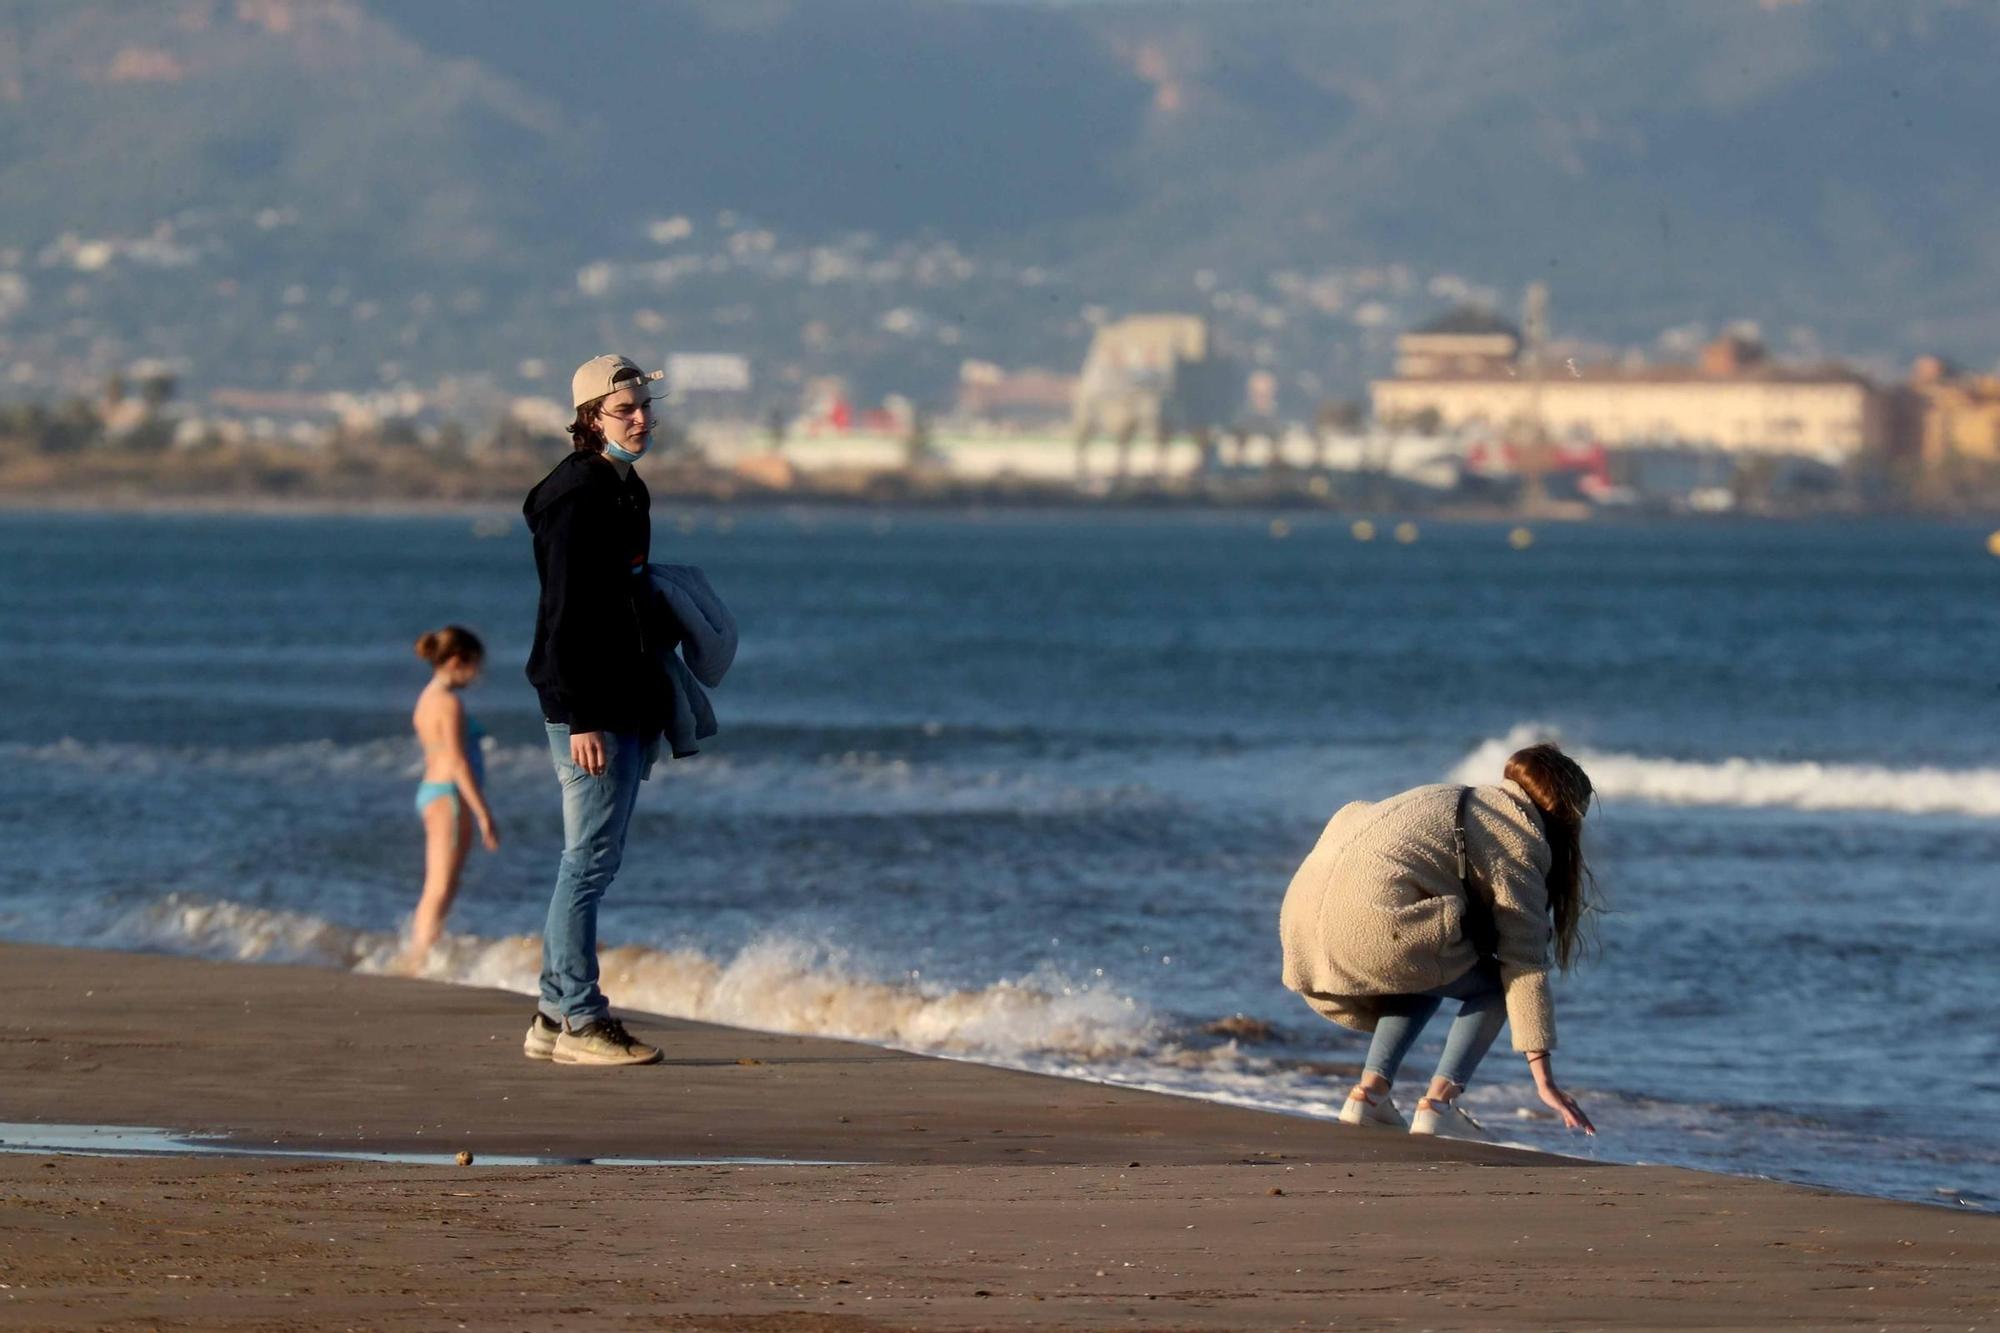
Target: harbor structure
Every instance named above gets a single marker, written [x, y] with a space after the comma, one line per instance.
[1154, 378]
[1468, 373]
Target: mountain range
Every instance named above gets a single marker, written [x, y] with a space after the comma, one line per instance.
[343, 193]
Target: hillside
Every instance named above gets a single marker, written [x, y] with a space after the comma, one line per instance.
[345, 192]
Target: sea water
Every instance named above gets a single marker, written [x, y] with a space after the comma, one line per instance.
[1027, 789]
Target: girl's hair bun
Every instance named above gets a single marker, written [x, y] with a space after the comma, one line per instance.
[439, 646]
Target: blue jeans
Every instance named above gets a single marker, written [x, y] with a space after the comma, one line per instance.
[597, 811]
[1482, 1012]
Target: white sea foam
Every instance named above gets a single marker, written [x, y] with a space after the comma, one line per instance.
[1758, 783]
[775, 983]
[872, 783]
[863, 782]
[316, 758]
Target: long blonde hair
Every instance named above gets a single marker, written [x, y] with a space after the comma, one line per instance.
[1561, 790]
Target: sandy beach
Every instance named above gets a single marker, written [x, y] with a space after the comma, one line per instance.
[979, 1197]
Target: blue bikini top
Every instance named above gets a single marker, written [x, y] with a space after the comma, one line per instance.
[475, 753]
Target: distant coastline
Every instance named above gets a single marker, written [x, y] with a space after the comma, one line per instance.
[93, 502]
[936, 499]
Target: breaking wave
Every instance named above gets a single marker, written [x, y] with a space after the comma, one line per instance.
[1758, 783]
[775, 983]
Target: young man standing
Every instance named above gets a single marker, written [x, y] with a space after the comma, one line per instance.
[599, 688]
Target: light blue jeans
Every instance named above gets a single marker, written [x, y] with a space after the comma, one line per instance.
[1482, 1012]
[597, 811]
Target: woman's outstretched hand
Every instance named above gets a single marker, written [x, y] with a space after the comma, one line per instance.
[489, 833]
[1565, 1106]
[1554, 1097]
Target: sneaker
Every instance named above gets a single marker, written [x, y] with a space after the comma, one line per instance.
[1363, 1110]
[1447, 1120]
[602, 1041]
[540, 1043]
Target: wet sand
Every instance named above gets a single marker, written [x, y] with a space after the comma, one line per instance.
[983, 1198]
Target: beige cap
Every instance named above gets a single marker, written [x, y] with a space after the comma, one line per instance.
[593, 379]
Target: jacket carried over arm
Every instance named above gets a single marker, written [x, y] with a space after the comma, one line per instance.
[1378, 908]
[688, 616]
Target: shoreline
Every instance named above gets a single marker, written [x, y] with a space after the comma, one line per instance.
[1052, 504]
[984, 1197]
[1128, 1077]
[249, 506]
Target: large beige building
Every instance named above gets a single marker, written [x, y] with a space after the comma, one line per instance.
[1959, 418]
[1467, 369]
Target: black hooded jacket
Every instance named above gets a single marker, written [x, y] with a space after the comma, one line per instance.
[590, 663]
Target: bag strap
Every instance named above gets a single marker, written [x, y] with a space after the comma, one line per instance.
[1480, 927]
[1458, 839]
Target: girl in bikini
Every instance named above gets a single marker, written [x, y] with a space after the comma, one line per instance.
[451, 798]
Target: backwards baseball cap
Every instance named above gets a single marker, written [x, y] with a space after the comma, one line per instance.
[599, 375]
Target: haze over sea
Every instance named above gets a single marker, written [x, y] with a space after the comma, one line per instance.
[1028, 790]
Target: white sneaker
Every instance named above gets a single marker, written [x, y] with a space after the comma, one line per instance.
[601, 1041]
[1363, 1110]
[1447, 1120]
[540, 1043]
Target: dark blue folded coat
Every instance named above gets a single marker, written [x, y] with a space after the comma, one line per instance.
[691, 619]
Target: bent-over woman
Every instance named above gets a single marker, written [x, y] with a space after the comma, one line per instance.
[1445, 893]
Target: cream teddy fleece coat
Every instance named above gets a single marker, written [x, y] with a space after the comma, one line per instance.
[1377, 908]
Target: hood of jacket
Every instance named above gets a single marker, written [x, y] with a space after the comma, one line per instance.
[581, 471]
